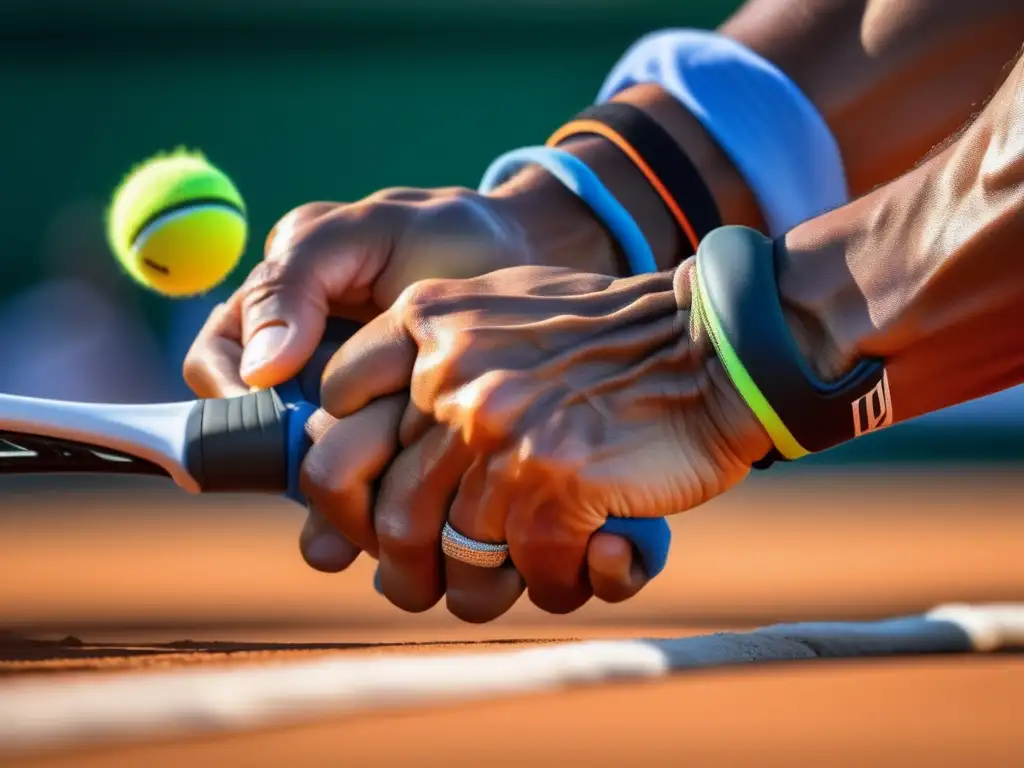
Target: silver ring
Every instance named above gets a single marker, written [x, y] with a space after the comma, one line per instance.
[470, 551]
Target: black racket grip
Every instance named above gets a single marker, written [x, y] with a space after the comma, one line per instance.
[245, 444]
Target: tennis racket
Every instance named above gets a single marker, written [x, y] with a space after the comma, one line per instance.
[254, 443]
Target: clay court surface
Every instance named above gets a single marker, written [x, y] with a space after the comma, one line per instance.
[98, 582]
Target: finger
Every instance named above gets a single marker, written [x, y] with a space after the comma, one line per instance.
[284, 309]
[488, 406]
[473, 593]
[339, 472]
[319, 424]
[316, 258]
[548, 532]
[494, 406]
[550, 555]
[376, 361]
[322, 547]
[211, 365]
[415, 423]
[409, 515]
[614, 568]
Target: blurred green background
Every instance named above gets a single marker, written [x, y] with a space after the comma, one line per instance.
[297, 101]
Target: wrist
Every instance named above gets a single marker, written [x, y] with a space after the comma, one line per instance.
[670, 239]
[561, 231]
[844, 277]
[819, 298]
[921, 273]
[873, 280]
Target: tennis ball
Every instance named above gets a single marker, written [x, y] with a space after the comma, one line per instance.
[177, 224]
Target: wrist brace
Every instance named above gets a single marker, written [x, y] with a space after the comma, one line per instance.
[736, 297]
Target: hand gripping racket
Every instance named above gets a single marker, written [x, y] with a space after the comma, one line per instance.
[254, 443]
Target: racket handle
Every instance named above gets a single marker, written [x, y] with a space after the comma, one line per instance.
[256, 443]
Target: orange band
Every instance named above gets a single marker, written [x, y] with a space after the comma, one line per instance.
[577, 127]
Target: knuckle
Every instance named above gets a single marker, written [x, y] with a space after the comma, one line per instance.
[324, 476]
[266, 276]
[291, 227]
[316, 230]
[500, 473]
[491, 400]
[458, 210]
[423, 309]
[398, 195]
[402, 537]
[440, 371]
[532, 455]
[524, 545]
[552, 449]
[193, 370]
[271, 289]
[420, 298]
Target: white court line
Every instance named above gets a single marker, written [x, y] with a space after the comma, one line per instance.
[38, 714]
[990, 627]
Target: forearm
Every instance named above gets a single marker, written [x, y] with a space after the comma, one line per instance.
[892, 78]
[925, 271]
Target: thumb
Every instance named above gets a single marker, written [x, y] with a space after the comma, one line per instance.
[312, 263]
[284, 313]
[318, 256]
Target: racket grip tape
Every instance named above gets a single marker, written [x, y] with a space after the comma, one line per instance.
[239, 444]
[255, 443]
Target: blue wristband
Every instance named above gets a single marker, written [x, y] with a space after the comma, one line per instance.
[770, 130]
[584, 183]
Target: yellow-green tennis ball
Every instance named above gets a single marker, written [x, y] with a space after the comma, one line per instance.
[177, 224]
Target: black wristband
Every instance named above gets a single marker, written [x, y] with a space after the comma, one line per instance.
[675, 178]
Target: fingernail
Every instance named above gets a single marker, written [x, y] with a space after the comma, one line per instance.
[262, 348]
